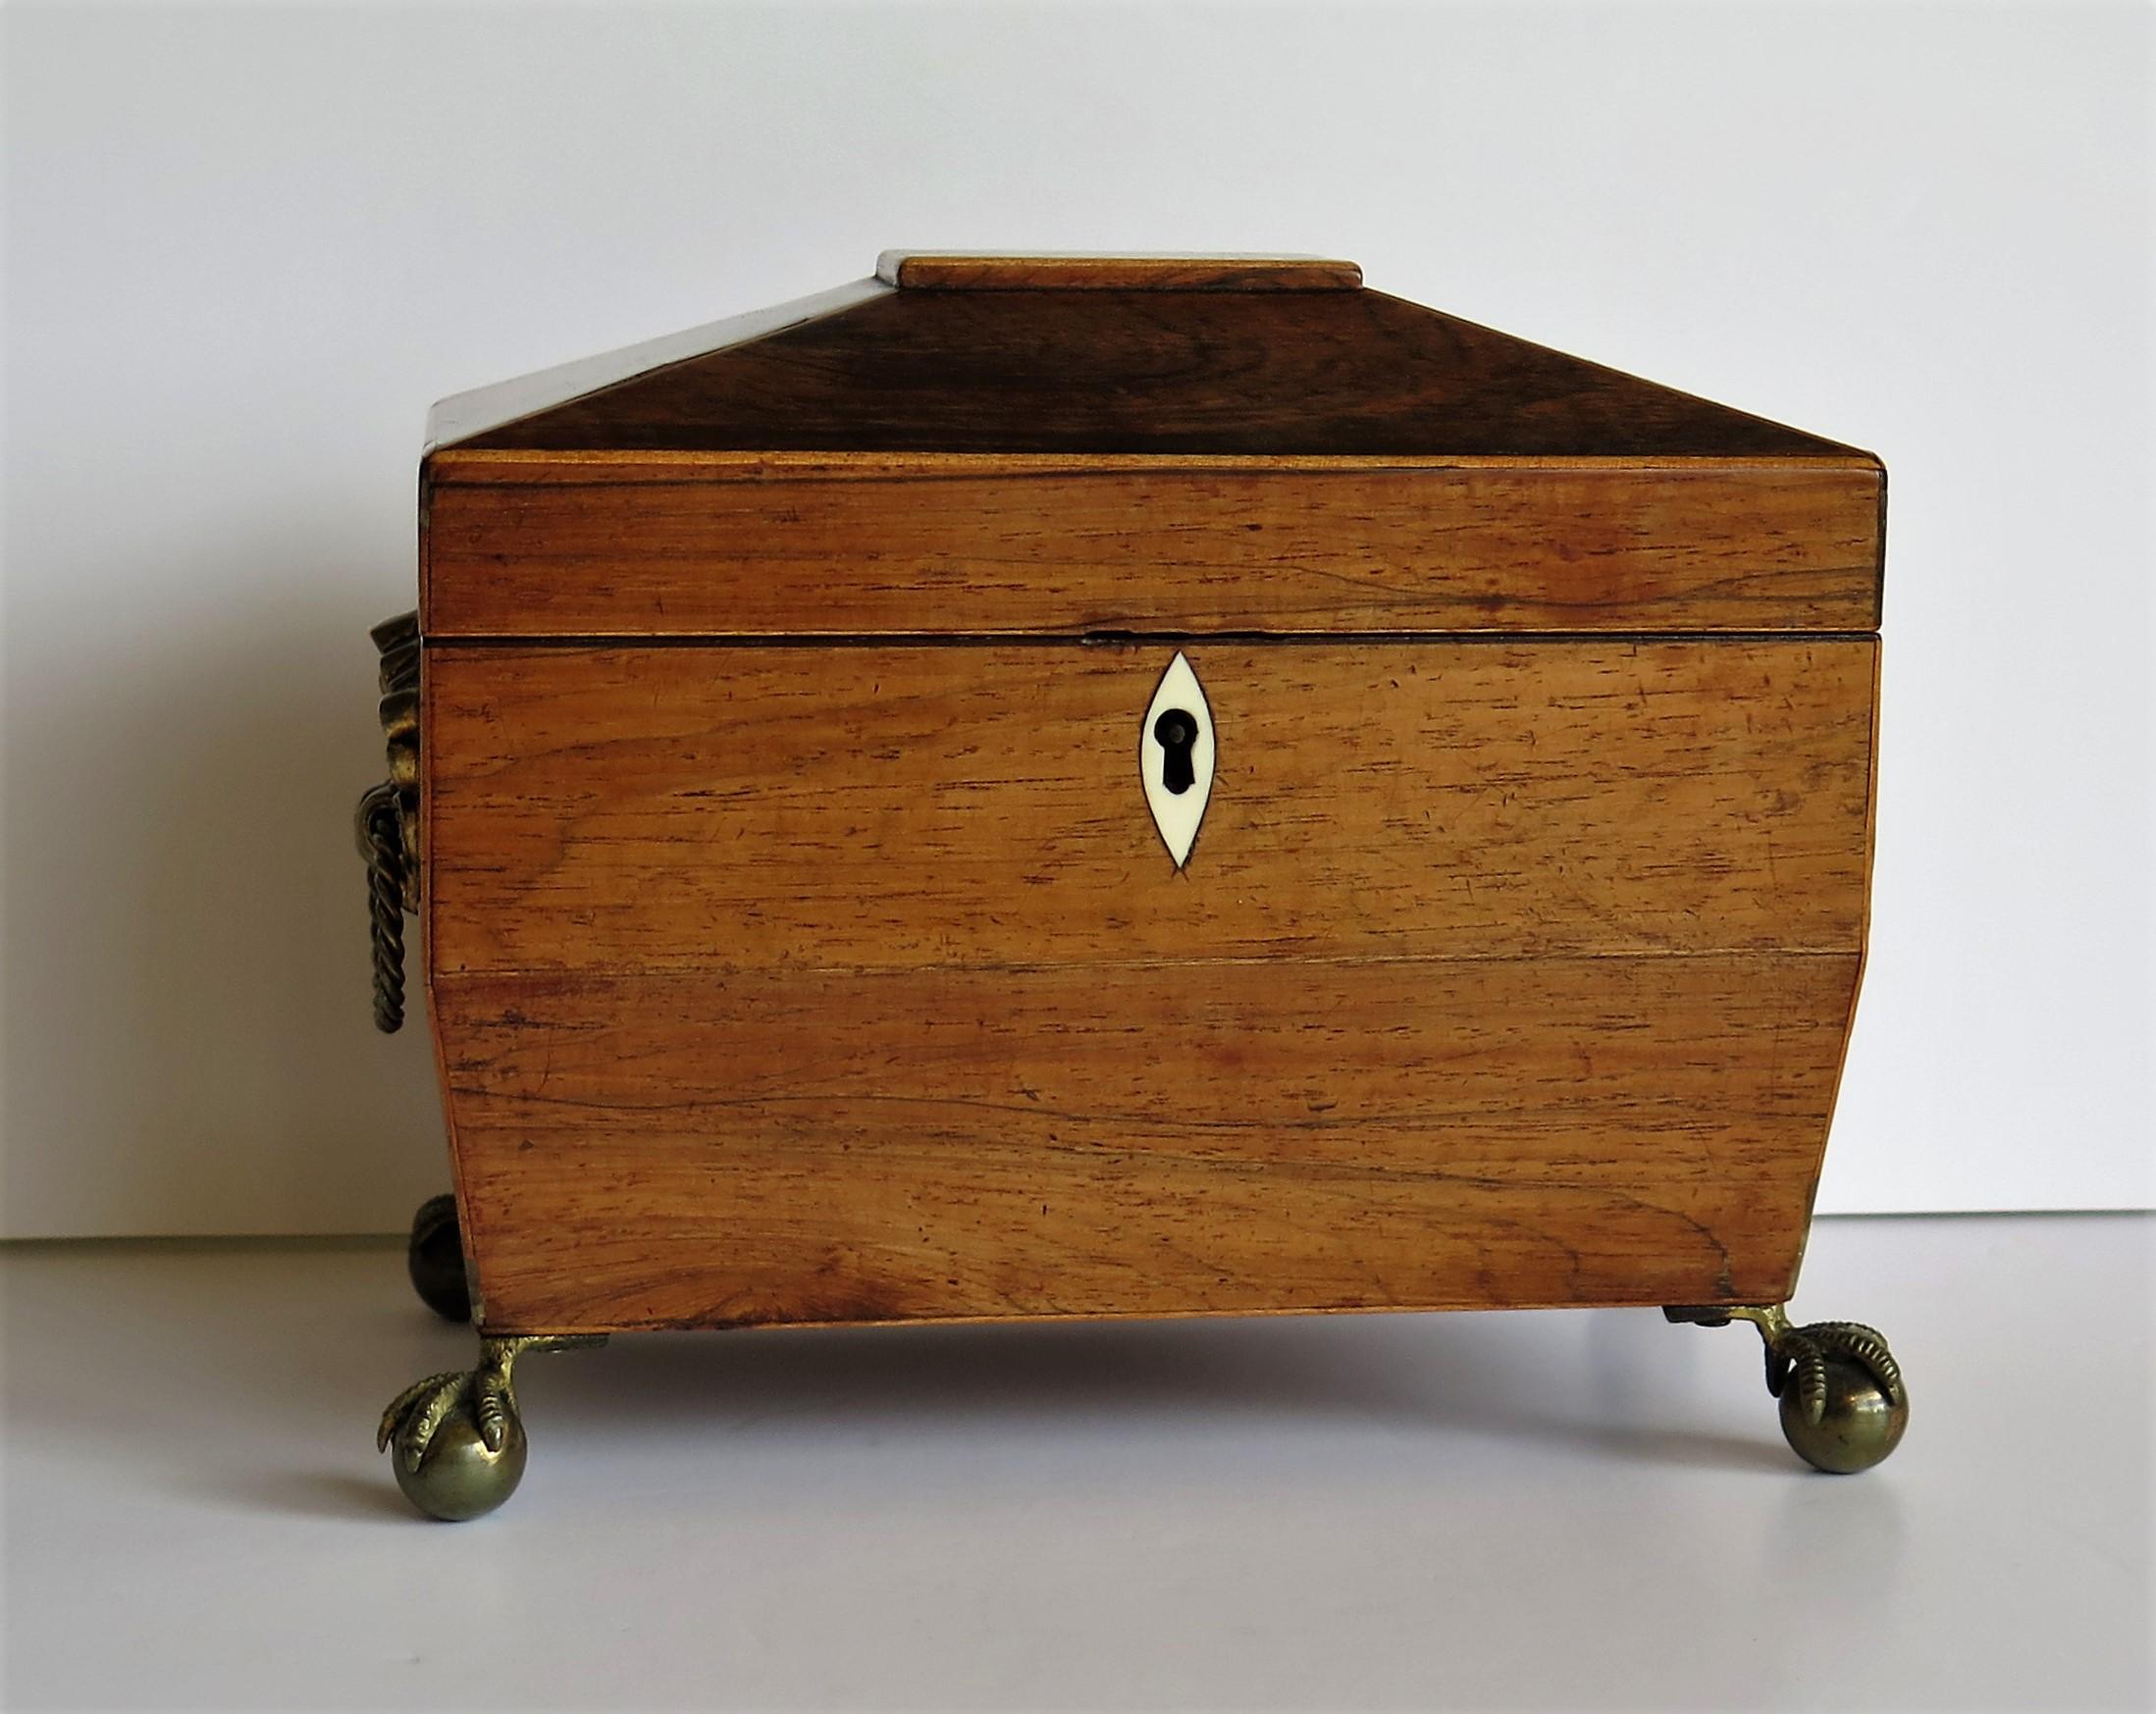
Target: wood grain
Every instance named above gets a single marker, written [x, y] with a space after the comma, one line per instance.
[704, 545]
[1050, 270]
[800, 949]
[1299, 373]
[791, 1147]
[463, 415]
[739, 808]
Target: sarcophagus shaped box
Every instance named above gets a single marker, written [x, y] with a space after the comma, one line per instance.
[1043, 787]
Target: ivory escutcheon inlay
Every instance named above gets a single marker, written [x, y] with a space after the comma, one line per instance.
[1175, 758]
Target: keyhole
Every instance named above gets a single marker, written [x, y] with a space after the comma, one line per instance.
[1177, 730]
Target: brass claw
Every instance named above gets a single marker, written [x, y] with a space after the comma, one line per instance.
[1844, 1405]
[1798, 1357]
[458, 1443]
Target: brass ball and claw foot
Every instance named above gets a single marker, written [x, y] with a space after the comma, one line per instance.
[1844, 1405]
[436, 1259]
[457, 1444]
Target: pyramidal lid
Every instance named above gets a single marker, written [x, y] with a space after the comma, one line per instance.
[953, 351]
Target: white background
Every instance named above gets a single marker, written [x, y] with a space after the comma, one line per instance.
[245, 247]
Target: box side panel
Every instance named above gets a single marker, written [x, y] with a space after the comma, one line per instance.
[807, 545]
[778, 1147]
[792, 985]
[681, 808]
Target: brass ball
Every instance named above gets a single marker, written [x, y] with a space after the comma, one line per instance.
[435, 1259]
[1859, 1427]
[457, 1477]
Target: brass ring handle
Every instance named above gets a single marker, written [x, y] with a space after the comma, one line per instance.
[387, 824]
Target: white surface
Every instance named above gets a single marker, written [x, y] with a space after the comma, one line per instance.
[1563, 1511]
[1177, 814]
[247, 245]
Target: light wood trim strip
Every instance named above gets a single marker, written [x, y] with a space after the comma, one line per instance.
[1051, 271]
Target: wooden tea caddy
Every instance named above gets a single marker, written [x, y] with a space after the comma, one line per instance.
[1085, 786]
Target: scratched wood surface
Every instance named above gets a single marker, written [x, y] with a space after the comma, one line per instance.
[784, 1146]
[693, 807]
[715, 545]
